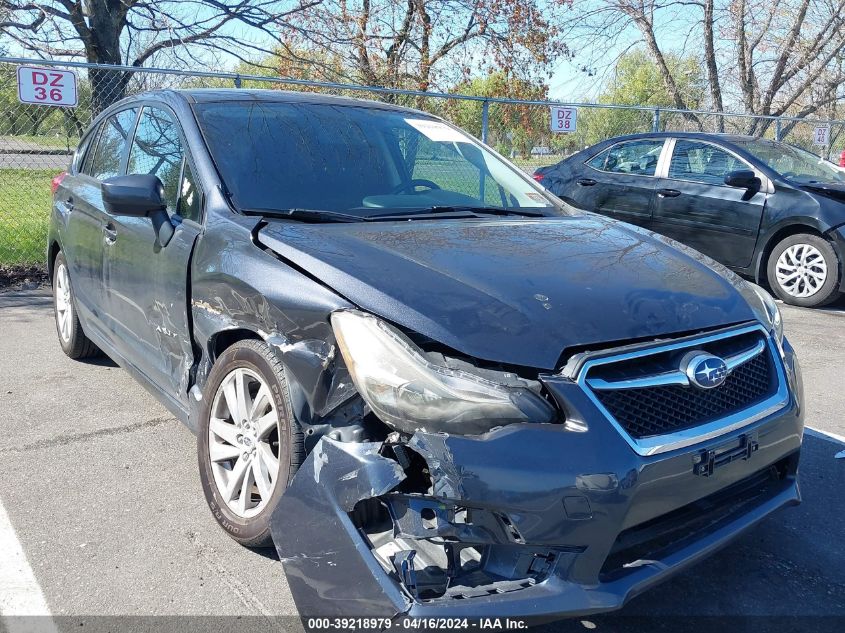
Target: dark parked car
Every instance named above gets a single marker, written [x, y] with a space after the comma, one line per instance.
[437, 388]
[767, 210]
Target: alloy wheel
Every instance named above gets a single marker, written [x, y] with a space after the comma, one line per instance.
[801, 270]
[243, 442]
[64, 303]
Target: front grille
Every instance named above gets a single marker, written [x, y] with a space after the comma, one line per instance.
[659, 410]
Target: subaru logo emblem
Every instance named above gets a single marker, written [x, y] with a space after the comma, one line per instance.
[704, 370]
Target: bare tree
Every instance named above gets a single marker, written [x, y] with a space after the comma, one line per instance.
[420, 43]
[767, 57]
[133, 32]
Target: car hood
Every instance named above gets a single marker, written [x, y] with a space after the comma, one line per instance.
[836, 191]
[517, 291]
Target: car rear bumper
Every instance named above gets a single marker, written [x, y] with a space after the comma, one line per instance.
[567, 521]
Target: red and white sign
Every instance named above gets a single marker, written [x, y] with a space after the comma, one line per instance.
[47, 86]
[564, 119]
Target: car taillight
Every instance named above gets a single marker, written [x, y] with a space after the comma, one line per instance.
[842, 159]
[539, 177]
[56, 181]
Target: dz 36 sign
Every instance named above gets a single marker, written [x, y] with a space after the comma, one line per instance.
[564, 119]
[46, 86]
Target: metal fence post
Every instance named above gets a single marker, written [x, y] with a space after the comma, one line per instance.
[655, 120]
[237, 81]
[485, 115]
[777, 130]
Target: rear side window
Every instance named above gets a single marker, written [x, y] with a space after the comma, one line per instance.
[157, 150]
[631, 157]
[106, 156]
[702, 162]
[82, 152]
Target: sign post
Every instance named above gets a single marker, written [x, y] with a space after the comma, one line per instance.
[47, 86]
[564, 119]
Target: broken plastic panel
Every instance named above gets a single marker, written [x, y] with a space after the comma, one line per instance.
[365, 511]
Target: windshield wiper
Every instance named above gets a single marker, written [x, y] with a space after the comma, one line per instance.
[305, 215]
[428, 211]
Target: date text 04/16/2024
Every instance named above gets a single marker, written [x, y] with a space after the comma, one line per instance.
[410, 623]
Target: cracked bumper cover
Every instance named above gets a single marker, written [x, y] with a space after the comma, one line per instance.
[569, 522]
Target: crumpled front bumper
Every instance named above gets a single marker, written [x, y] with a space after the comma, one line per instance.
[566, 522]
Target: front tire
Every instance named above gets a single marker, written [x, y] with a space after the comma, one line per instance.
[249, 444]
[71, 337]
[803, 270]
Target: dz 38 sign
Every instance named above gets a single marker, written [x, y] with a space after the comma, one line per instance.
[46, 86]
[564, 119]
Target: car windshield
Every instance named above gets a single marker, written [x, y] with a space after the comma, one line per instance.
[360, 161]
[793, 163]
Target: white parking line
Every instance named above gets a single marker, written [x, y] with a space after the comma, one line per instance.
[19, 591]
[825, 435]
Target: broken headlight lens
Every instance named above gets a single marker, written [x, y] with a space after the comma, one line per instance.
[410, 393]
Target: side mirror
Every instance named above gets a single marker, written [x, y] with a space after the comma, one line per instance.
[136, 195]
[139, 196]
[742, 179]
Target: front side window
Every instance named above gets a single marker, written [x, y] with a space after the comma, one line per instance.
[360, 161]
[702, 162]
[109, 150]
[631, 157]
[157, 150]
[792, 162]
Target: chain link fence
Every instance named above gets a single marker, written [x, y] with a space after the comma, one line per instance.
[36, 141]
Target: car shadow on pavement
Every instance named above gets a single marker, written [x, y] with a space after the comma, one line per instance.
[99, 361]
[785, 574]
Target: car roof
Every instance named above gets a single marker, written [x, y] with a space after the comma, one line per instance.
[218, 95]
[704, 136]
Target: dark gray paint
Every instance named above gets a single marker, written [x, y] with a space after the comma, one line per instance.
[517, 292]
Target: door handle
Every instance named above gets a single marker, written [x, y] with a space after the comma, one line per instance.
[586, 182]
[668, 193]
[110, 233]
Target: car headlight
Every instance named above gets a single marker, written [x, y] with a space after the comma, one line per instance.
[770, 313]
[409, 393]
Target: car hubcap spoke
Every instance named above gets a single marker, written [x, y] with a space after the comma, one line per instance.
[243, 442]
[268, 459]
[266, 423]
[801, 270]
[260, 403]
[64, 304]
[262, 478]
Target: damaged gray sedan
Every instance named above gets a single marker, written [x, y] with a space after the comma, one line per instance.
[436, 388]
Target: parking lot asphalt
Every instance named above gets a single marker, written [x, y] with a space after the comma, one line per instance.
[100, 484]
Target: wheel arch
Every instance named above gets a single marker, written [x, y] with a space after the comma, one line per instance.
[53, 251]
[220, 341]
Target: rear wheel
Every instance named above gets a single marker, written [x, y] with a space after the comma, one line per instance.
[71, 337]
[249, 445]
[803, 270]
